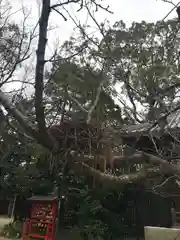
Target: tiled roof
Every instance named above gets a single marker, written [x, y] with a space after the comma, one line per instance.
[42, 198]
[173, 123]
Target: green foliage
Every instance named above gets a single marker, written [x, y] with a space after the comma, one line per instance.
[146, 63]
[140, 64]
[94, 212]
[12, 230]
[81, 82]
[84, 211]
[23, 166]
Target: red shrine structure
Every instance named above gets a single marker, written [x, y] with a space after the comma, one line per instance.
[41, 222]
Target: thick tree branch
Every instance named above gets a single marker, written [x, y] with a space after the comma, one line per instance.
[22, 120]
[141, 157]
[15, 113]
[39, 75]
[109, 179]
[94, 104]
[3, 121]
[165, 167]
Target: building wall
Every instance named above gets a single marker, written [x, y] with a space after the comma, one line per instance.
[4, 205]
[154, 233]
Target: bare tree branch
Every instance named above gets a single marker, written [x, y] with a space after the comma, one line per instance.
[163, 183]
[168, 1]
[65, 19]
[65, 3]
[174, 7]
[21, 55]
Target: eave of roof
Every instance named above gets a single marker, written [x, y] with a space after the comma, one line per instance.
[173, 125]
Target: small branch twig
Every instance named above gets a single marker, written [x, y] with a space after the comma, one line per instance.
[175, 6]
[64, 3]
[163, 183]
[65, 19]
[168, 1]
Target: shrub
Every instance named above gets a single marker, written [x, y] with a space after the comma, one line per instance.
[12, 230]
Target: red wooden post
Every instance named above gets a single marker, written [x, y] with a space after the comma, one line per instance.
[43, 212]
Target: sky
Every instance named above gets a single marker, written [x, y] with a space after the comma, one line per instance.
[126, 10]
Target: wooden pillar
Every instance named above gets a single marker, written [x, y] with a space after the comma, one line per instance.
[173, 214]
[9, 208]
[13, 207]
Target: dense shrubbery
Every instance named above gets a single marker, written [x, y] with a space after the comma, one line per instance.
[12, 230]
[88, 213]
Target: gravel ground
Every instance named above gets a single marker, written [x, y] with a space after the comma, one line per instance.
[3, 221]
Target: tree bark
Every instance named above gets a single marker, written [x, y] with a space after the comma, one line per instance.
[39, 75]
[141, 157]
[109, 179]
[24, 123]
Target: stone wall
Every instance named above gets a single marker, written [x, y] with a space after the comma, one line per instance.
[157, 233]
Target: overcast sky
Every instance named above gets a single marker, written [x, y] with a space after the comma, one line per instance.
[126, 10]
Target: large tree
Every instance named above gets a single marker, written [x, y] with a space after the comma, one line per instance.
[139, 57]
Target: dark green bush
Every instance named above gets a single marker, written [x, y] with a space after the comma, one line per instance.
[12, 230]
